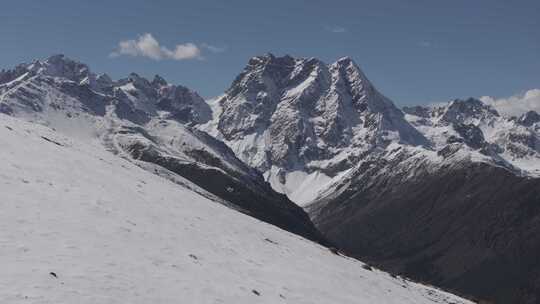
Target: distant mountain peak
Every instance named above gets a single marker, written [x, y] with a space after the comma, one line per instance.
[462, 110]
[159, 81]
[61, 66]
[529, 118]
[56, 58]
[104, 80]
[473, 104]
[345, 60]
[270, 57]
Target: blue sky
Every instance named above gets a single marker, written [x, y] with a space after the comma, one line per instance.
[413, 51]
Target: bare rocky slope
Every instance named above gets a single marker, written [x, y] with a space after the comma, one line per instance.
[472, 227]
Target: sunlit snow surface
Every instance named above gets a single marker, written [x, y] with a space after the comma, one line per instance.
[112, 232]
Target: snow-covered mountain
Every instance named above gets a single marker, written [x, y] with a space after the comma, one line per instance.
[63, 85]
[148, 122]
[513, 142]
[81, 225]
[302, 122]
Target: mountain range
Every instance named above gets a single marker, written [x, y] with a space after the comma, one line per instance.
[446, 194]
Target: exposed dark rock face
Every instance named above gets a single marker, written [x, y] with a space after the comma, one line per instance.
[471, 134]
[10, 75]
[124, 109]
[461, 110]
[183, 104]
[474, 228]
[4, 108]
[90, 101]
[529, 118]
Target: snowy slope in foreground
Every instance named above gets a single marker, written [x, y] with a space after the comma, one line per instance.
[115, 233]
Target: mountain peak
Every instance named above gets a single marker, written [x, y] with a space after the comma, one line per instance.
[529, 118]
[159, 81]
[62, 60]
[139, 82]
[57, 58]
[105, 78]
[59, 65]
[460, 110]
[134, 76]
[345, 60]
[285, 114]
[271, 59]
[349, 70]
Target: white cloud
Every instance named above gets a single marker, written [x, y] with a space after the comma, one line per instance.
[147, 46]
[336, 29]
[517, 104]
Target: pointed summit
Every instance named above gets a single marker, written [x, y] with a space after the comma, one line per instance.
[284, 114]
[345, 60]
[61, 66]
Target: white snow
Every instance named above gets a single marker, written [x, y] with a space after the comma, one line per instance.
[15, 81]
[301, 187]
[115, 233]
[496, 130]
